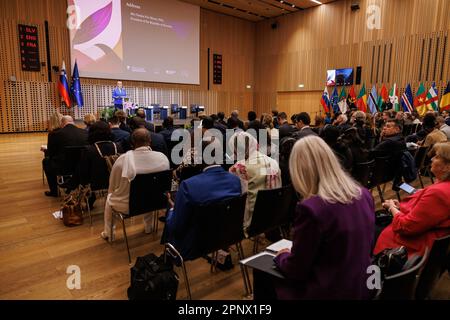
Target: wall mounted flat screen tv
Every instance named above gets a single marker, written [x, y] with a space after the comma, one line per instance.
[340, 77]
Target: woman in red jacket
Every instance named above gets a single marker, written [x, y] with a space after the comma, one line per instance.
[423, 217]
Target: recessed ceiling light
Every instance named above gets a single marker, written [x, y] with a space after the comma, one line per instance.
[301, 85]
[315, 1]
[293, 6]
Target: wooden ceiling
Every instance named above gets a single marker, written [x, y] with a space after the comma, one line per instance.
[256, 10]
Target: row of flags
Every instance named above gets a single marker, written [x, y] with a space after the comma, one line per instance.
[423, 102]
[72, 94]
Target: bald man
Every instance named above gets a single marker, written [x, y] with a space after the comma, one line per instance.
[55, 161]
[142, 161]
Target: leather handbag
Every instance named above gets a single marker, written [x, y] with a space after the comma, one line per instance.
[392, 261]
[73, 206]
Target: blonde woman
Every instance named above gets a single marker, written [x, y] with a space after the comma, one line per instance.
[89, 120]
[333, 229]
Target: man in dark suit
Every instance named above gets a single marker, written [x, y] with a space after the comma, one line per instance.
[213, 185]
[235, 116]
[285, 129]
[157, 140]
[302, 124]
[118, 135]
[141, 114]
[56, 161]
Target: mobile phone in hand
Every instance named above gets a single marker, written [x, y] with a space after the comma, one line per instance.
[407, 188]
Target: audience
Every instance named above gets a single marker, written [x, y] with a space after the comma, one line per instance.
[214, 184]
[123, 124]
[333, 230]
[235, 116]
[285, 129]
[53, 164]
[157, 139]
[89, 120]
[141, 160]
[302, 124]
[118, 135]
[256, 170]
[445, 128]
[423, 217]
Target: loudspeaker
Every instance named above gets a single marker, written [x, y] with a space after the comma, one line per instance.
[354, 6]
[274, 25]
[358, 75]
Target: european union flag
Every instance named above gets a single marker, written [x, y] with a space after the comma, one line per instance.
[75, 88]
[334, 101]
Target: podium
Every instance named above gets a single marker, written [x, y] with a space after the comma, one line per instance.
[164, 113]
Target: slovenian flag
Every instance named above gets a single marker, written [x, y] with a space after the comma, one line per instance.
[325, 101]
[63, 86]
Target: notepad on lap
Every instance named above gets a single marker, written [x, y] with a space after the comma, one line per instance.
[277, 246]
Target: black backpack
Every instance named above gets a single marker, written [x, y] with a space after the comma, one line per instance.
[153, 279]
[409, 170]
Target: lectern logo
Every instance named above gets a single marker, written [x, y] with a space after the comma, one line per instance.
[74, 280]
[374, 17]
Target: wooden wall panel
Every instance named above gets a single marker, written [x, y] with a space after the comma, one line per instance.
[234, 38]
[296, 102]
[331, 36]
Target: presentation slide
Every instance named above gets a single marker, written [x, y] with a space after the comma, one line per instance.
[148, 40]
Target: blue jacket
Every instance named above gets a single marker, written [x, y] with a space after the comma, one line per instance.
[118, 95]
[213, 185]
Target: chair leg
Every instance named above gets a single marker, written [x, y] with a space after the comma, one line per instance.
[126, 238]
[244, 271]
[420, 179]
[380, 193]
[112, 227]
[255, 245]
[155, 221]
[186, 280]
[214, 257]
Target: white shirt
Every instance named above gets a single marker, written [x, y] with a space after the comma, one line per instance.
[145, 161]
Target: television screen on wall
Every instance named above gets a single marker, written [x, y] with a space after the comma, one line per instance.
[340, 77]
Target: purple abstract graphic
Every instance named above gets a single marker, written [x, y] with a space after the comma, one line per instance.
[94, 25]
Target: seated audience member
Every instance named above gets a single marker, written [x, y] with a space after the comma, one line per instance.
[365, 133]
[233, 124]
[333, 230]
[423, 217]
[141, 160]
[285, 129]
[218, 125]
[267, 123]
[302, 124]
[445, 128]
[256, 171]
[191, 164]
[330, 134]
[286, 146]
[235, 116]
[89, 120]
[157, 139]
[167, 131]
[214, 184]
[118, 135]
[276, 124]
[319, 123]
[221, 118]
[93, 168]
[341, 122]
[141, 114]
[392, 144]
[434, 135]
[68, 136]
[123, 124]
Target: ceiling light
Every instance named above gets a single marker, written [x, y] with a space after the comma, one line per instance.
[293, 6]
[301, 85]
[315, 1]
[249, 86]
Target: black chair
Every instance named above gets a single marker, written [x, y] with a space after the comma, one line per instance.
[273, 209]
[147, 195]
[217, 226]
[72, 156]
[382, 173]
[402, 286]
[362, 172]
[434, 268]
[420, 158]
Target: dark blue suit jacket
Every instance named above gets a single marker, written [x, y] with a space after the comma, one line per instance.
[213, 185]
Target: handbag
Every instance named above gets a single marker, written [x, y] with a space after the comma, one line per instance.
[391, 260]
[73, 206]
[383, 218]
[111, 159]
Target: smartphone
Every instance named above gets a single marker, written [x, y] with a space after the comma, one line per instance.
[407, 188]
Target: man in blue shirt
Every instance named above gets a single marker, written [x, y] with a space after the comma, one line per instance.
[214, 184]
[118, 95]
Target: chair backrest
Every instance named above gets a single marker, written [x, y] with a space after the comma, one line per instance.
[435, 266]
[273, 208]
[72, 156]
[148, 192]
[218, 225]
[382, 172]
[362, 172]
[402, 286]
[420, 156]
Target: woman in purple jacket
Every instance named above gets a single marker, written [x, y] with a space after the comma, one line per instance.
[333, 229]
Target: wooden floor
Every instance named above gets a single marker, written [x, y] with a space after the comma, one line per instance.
[36, 249]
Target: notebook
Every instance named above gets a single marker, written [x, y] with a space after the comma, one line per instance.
[263, 261]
